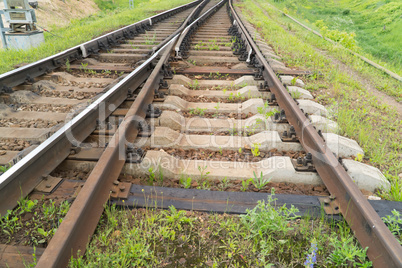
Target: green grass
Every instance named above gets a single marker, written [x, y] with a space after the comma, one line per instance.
[113, 16]
[376, 23]
[265, 236]
[375, 126]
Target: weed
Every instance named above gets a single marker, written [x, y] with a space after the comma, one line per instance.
[194, 85]
[245, 184]
[359, 157]
[293, 81]
[203, 174]
[186, 182]
[347, 253]
[216, 114]
[151, 177]
[198, 111]
[4, 168]
[255, 149]
[394, 224]
[266, 111]
[266, 219]
[224, 184]
[150, 40]
[68, 66]
[259, 182]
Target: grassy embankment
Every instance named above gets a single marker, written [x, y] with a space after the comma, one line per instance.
[113, 15]
[376, 23]
[360, 115]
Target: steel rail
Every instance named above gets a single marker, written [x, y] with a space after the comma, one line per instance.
[29, 72]
[383, 249]
[189, 19]
[83, 216]
[22, 178]
[188, 30]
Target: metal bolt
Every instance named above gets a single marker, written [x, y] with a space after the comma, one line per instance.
[122, 188]
[116, 182]
[48, 185]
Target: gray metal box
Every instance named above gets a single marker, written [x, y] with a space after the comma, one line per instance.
[24, 40]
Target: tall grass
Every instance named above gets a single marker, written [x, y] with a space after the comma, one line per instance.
[377, 24]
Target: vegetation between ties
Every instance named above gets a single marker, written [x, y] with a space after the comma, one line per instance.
[270, 234]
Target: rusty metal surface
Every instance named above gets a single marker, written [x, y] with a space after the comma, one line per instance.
[80, 222]
[383, 249]
[48, 184]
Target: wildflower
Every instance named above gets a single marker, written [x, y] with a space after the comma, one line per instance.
[312, 257]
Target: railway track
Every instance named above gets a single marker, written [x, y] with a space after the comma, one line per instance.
[201, 100]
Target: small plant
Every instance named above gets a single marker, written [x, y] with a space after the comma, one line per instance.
[259, 182]
[26, 205]
[151, 177]
[233, 131]
[296, 94]
[68, 66]
[240, 150]
[150, 40]
[359, 157]
[394, 224]
[198, 111]
[84, 66]
[220, 150]
[245, 184]
[46, 234]
[4, 168]
[203, 175]
[194, 85]
[224, 184]
[266, 111]
[186, 182]
[347, 253]
[255, 149]
[216, 114]
[293, 81]
[266, 219]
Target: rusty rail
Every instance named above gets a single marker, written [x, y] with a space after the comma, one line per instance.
[383, 249]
